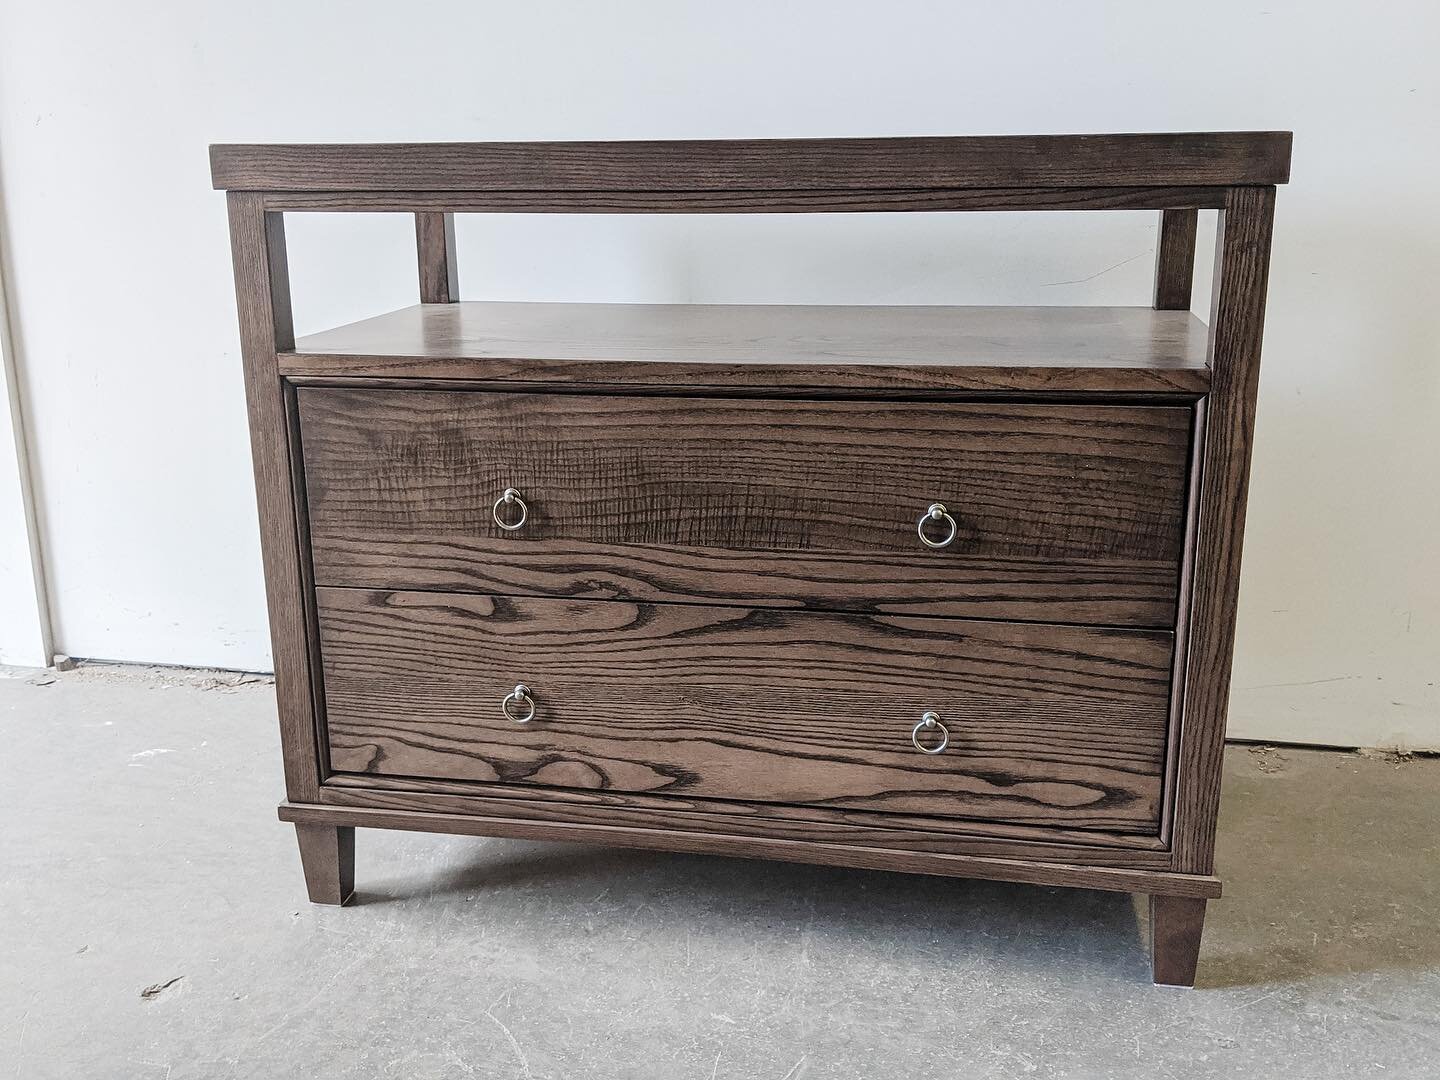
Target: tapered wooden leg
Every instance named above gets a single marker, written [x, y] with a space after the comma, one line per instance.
[1175, 925]
[328, 854]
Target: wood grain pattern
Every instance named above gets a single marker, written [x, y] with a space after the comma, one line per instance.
[811, 347]
[1018, 589]
[1176, 923]
[1051, 725]
[859, 857]
[1175, 260]
[1237, 320]
[313, 736]
[262, 294]
[1181, 650]
[1246, 157]
[789, 201]
[327, 855]
[435, 255]
[908, 832]
[784, 502]
[731, 490]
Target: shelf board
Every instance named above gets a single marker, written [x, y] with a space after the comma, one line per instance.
[770, 347]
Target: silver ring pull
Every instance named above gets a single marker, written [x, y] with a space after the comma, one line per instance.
[930, 721]
[521, 696]
[510, 497]
[936, 513]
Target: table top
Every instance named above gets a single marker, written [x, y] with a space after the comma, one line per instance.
[1223, 158]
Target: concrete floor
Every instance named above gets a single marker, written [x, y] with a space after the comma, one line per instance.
[140, 849]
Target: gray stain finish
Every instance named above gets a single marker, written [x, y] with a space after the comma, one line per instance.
[720, 603]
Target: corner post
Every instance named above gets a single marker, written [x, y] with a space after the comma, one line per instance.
[1175, 925]
[327, 855]
[262, 294]
[435, 247]
[1237, 317]
[1175, 259]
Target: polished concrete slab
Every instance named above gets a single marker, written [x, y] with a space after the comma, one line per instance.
[154, 925]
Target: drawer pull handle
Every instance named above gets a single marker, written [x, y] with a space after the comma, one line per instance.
[930, 721]
[521, 696]
[510, 497]
[936, 513]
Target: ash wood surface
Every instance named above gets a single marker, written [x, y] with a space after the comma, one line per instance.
[1182, 158]
[859, 857]
[708, 346]
[790, 201]
[327, 855]
[262, 293]
[1060, 772]
[997, 837]
[1182, 619]
[1063, 512]
[907, 832]
[435, 252]
[1032, 589]
[1049, 725]
[1237, 318]
[1176, 923]
[1175, 260]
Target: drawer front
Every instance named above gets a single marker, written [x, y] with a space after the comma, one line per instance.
[1066, 513]
[1048, 725]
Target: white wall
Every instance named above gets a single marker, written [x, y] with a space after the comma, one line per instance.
[126, 327]
[24, 624]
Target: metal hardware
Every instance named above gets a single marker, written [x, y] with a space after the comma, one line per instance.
[936, 513]
[521, 696]
[511, 497]
[930, 721]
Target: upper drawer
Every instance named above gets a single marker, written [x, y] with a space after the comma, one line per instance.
[1067, 513]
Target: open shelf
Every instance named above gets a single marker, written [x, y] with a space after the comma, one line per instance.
[714, 346]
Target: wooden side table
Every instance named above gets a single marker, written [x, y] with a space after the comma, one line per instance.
[942, 590]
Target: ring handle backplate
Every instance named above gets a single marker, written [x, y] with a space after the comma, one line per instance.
[521, 698]
[937, 512]
[930, 723]
[510, 498]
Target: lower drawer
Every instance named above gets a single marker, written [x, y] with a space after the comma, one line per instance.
[1050, 725]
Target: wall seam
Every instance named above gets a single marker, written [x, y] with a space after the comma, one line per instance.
[10, 371]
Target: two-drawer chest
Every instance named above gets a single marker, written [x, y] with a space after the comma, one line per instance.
[943, 590]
